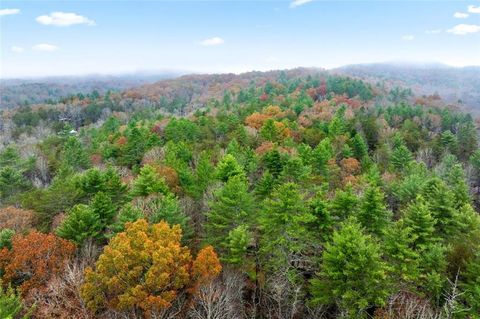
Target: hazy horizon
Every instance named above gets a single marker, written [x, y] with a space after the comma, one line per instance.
[175, 73]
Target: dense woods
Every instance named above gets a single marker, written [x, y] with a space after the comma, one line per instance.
[286, 194]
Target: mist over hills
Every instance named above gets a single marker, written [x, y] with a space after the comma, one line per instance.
[15, 92]
[457, 86]
[454, 84]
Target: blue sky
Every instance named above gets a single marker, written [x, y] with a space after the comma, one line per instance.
[40, 38]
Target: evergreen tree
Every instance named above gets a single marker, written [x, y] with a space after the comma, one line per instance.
[204, 173]
[457, 182]
[467, 140]
[81, 223]
[419, 220]
[440, 201]
[294, 171]
[168, 209]
[401, 158]
[353, 274]
[6, 236]
[449, 142]
[323, 222]
[273, 162]
[148, 182]
[74, 154]
[238, 240]
[127, 214]
[345, 203]
[470, 286]
[228, 167]
[402, 258]
[360, 147]
[231, 207]
[265, 185]
[11, 304]
[373, 213]
[103, 207]
[320, 156]
[284, 226]
[269, 131]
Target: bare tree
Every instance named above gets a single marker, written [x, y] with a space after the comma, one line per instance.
[282, 298]
[220, 299]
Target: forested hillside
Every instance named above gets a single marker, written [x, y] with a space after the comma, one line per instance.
[285, 194]
[455, 85]
[15, 92]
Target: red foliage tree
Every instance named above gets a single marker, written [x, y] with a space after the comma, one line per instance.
[34, 259]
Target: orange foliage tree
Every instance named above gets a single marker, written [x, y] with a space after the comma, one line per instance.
[145, 268]
[256, 120]
[34, 259]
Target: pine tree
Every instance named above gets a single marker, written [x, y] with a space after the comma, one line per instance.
[345, 203]
[6, 235]
[294, 171]
[373, 213]
[401, 158]
[470, 286]
[74, 154]
[231, 207]
[265, 185]
[323, 222]
[353, 274]
[11, 303]
[403, 259]
[127, 214]
[284, 226]
[269, 131]
[103, 207]
[360, 147]
[168, 209]
[273, 162]
[320, 156]
[81, 223]
[457, 182]
[440, 201]
[204, 172]
[238, 240]
[419, 220]
[148, 182]
[228, 167]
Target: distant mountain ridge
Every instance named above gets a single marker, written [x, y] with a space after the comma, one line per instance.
[455, 85]
[15, 92]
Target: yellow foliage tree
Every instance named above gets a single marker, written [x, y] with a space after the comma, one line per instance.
[144, 268]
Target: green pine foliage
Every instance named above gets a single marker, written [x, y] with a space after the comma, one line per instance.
[373, 214]
[232, 206]
[284, 224]
[81, 223]
[353, 275]
[148, 182]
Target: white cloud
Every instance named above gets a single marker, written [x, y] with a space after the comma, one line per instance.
[45, 47]
[298, 3]
[460, 15]
[408, 37]
[6, 12]
[434, 31]
[463, 29]
[63, 19]
[212, 41]
[474, 9]
[17, 49]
